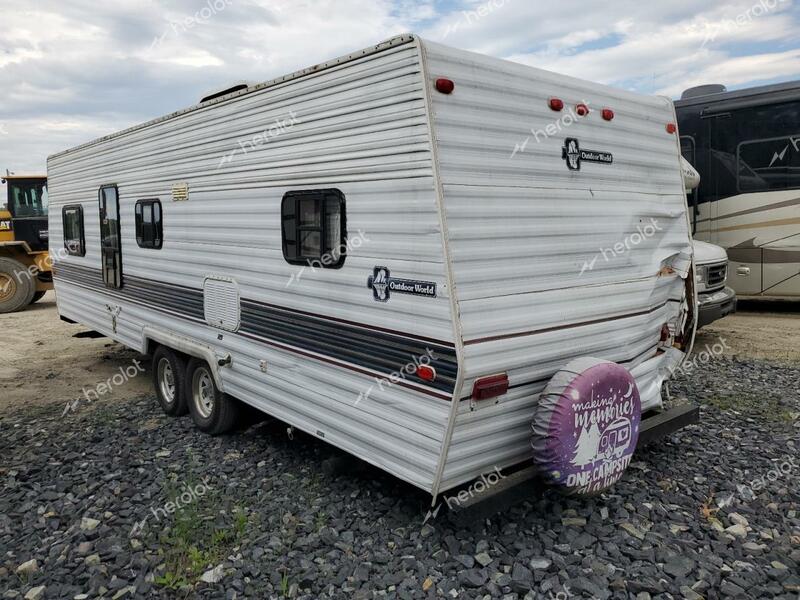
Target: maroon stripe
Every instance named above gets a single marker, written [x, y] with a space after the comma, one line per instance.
[562, 327]
[342, 365]
[275, 344]
[354, 323]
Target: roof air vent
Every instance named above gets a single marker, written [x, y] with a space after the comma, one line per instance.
[236, 87]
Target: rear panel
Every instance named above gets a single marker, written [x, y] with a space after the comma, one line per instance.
[555, 254]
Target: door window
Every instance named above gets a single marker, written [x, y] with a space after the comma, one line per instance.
[110, 239]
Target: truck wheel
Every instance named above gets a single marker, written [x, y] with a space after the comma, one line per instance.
[212, 411]
[169, 372]
[37, 296]
[16, 286]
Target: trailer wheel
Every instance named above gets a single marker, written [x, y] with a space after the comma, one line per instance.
[212, 411]
[37, 296]
[16, 286]
[169, 372]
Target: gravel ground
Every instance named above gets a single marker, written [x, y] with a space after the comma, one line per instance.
[712, 511]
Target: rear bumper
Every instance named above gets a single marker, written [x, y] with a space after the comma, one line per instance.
[715, 305]
[523, 484]
[660, 424]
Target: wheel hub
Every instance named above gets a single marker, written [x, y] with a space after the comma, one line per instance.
[8, 287]
[203, 393]
[166, 379]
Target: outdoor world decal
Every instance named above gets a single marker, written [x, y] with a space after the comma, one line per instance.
[574, 155]
[383, 285]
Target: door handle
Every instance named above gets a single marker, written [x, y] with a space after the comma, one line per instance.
[743, 271]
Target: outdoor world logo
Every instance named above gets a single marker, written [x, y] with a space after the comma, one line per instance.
[574, 155]
[383, 284]
[379, 282]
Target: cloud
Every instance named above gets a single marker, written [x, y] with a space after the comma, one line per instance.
[73, 71]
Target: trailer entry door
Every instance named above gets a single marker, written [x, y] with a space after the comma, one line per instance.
[110, 239]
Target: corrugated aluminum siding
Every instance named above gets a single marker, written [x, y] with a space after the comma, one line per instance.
[521, 227]
[361, 127]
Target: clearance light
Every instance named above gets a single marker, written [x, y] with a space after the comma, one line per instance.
[426, 373]
[582, 110]
[445, 86]
[490, 387]
[608, 114]
[671, 128]
[556, 104]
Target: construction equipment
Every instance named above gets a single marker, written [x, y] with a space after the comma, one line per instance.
[25, 264]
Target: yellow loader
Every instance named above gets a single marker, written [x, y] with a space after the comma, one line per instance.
[25, 265]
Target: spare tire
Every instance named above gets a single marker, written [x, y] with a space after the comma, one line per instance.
[586, 426]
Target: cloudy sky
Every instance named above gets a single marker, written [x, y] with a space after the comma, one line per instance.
[74, 70]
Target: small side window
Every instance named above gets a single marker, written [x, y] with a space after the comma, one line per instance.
[314, 228]
[72, 222]
[149, 225]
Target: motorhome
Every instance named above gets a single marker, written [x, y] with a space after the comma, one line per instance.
[746, 146]
[414, 253]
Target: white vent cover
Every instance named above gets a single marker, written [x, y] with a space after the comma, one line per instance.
[221, 302]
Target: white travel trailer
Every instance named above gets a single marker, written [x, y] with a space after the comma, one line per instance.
[396, 251]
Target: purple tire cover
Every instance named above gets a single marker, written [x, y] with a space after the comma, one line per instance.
[586, 426]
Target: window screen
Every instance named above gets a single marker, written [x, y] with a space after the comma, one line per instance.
[72, 221]
[149, 224]
[314, 229]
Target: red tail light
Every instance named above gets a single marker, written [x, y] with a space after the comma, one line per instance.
[582, 110]
[426, 373]
[490, 387]
[445, 86]
[671, 128]
[608, 114]
[556, 104]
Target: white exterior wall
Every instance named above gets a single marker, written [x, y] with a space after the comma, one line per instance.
[361, 128]
[522, 227]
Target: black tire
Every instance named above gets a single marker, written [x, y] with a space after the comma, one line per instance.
[17, 286]
[37, 296]
[212, 411]
[169, 381]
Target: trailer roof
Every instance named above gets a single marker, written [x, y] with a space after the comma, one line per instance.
[390, 43]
